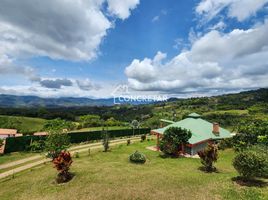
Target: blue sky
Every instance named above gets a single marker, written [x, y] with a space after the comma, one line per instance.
[179, 48]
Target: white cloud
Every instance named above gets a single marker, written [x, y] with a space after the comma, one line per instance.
[216, 61]
[239, 9]
[59, 29]
[155, 18]
[87, 85]
[121, 8]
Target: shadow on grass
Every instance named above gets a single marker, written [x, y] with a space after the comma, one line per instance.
[61, 180]
[203, 169]
[249, 182]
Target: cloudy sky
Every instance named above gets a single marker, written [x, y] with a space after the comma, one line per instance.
[86, 48]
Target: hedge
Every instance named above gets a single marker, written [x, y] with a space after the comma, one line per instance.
[14, 144]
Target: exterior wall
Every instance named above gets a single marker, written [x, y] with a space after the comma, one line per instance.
[188, 150]
[198, 147]
[2, 136]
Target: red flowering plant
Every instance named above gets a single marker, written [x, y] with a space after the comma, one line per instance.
[62, 163]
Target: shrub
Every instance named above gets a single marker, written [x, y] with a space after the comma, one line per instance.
[105, 141]
[137, 157]
[76, 155]
[143, 138]
[172, 138]
[37, 146]
[225, 143]
[128, 142]
[252, 163]
[208, 156]
[62, 163]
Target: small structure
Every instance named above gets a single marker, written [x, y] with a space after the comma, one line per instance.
[202, 133]
[5, 133]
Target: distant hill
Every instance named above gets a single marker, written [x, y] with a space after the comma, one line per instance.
[34, 101]
[237, 99]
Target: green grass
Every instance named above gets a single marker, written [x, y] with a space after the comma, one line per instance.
[28, 123]
[111, 176]
[100, 128]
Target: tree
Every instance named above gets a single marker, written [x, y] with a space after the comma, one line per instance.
[55, 142]
[250, 134]
[135, 124]
[208, 156]
[90, 121]
[58, 124]
[112, 122]
[172, 138]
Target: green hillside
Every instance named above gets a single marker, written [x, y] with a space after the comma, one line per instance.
[22, 124]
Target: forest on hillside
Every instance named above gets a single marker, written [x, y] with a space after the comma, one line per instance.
[229, 110]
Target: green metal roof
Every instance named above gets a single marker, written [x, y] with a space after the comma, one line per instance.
[201, 129]
[167, 121]
[195, 115]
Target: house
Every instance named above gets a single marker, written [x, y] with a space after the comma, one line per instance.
[5, 133]
[202, 133]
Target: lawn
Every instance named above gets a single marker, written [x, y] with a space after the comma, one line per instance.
[111, 176]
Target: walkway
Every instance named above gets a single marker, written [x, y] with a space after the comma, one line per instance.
[80, 148]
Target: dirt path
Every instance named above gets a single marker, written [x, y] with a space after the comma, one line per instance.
[21, 161]
[80, 148]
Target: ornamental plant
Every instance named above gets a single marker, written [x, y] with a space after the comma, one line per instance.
[137, 157]
[252, 163]
[209, 156]
[62, 163]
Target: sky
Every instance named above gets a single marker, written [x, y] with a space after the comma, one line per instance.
[86, 48]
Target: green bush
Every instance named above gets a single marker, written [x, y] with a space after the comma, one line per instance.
[208, 156]
[172, 138]
[137, 157]
[128, 142]
[143, 138]
[37, 146]
[252, 163]
[225, 143]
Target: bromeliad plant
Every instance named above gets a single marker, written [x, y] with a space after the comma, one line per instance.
[62, 163]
